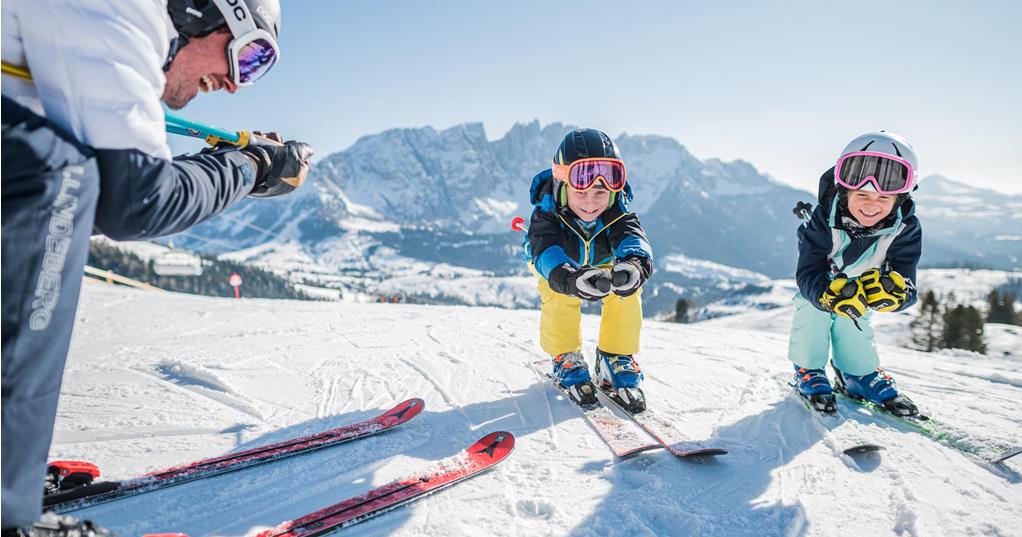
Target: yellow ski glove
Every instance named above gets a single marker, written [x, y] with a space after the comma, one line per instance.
[884, 292]
[844, 297]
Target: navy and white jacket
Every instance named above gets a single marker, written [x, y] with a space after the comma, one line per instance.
[826, 248]
[97, 70]
[555, 236]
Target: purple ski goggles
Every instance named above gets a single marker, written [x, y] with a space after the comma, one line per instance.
[251, 56]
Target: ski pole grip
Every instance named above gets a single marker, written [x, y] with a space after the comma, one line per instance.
[802, 210]
[244, 137]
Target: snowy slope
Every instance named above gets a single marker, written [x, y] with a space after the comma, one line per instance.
[156, 379]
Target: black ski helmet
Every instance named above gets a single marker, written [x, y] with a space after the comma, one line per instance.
[198, 18]
[577, 145]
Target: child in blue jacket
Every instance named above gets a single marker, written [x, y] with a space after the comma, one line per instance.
[583, 244]
[857, 255]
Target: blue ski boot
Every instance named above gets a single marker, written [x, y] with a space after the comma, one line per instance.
[813, 386]
[619, 376]
[878, 388]
[572, 374]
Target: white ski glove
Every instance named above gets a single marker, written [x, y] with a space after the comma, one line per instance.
[590, 283]
[587, 283]
[626, 277]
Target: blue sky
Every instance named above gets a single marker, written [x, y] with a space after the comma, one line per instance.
[783, 85]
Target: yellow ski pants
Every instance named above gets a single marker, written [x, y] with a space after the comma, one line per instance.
[560, 322]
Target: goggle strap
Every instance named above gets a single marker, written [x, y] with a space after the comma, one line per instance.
[238, 17]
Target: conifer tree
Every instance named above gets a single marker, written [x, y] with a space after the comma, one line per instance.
[681, 308]
[1001, 308]
[963, 329]
[928, 327]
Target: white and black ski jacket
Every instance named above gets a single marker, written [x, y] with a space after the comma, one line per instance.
[97, 73]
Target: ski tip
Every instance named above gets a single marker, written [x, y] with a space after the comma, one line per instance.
[702, 453]
[862, 449]
[406, 410]
[494, 447]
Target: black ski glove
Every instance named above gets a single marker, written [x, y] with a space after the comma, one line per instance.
[630, 274]
[281, 167]
[587, 283]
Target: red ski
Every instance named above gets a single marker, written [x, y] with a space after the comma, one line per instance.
[480, 456]
[104, 491]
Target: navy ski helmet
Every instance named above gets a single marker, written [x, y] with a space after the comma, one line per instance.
[577, 145]
[585, 143]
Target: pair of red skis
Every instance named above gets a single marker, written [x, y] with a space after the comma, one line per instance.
[480, 456]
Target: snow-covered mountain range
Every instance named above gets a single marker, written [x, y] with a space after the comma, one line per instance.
[403, 206]
[968, 226]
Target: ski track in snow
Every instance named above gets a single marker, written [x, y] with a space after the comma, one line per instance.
[159, 379]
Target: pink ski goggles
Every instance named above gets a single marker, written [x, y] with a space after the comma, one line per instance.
[583, 174]
[889, 174]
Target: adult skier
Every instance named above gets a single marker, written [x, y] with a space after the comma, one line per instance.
[857, 255]
[85, 149]
[583, 244]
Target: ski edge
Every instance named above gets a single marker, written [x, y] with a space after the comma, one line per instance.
[1003, 457]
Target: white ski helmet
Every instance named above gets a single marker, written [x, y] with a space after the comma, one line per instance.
[254, 24]
[883, 142]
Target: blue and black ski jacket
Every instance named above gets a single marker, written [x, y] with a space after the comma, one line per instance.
[826, 248]
[555, 236]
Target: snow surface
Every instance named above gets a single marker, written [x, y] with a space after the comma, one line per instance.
[158, 379]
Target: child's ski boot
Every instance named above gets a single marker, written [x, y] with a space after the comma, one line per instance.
[813, 386]
[619, 376]
[878, 388]
[572, 374]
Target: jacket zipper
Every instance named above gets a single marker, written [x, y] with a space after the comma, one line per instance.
[585, 243]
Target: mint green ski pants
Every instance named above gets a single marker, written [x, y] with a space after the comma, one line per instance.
[814, 332]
